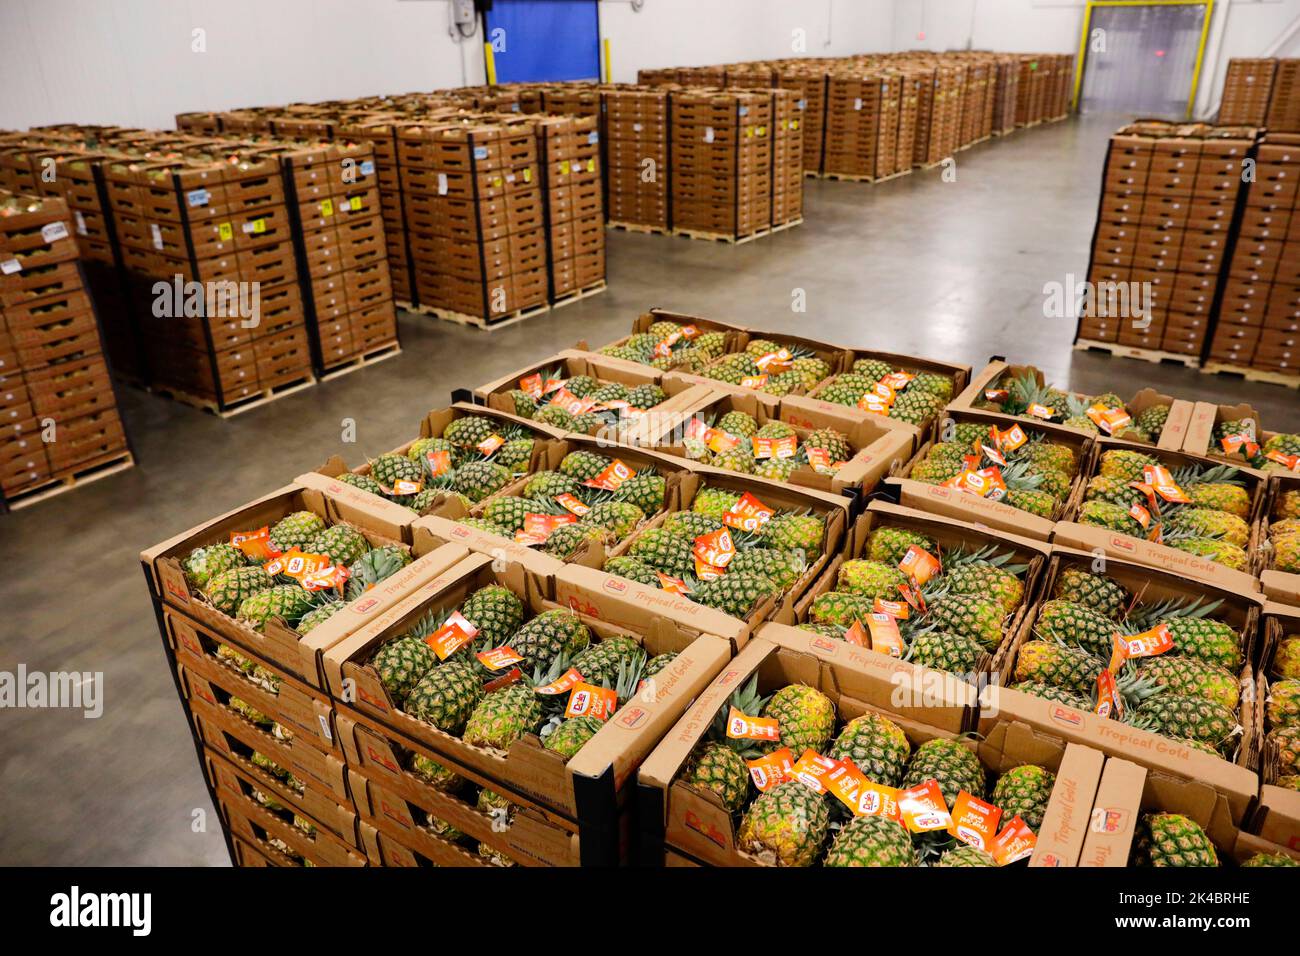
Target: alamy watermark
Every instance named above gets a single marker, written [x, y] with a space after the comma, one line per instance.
[1075, 298]
[218, 299]
[72, 690]
[83, 909]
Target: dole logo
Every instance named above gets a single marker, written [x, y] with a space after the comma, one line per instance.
[618, 585]
[1123, 544]
[1065, 716]
[632, 717]
[384, 760]
[707, 830]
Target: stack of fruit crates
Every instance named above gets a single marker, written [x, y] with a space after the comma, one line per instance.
[1247, 86]
[225, 226]
[911, 82]
[335, 210]
[569, 154]
[1258, 327]
[945, 112]
[721, 148]
[1006, 95]
[1031, 93]
[788, 114]
[855, 124]
[810, 81]
[475, 211]
[1284, 102]
[1169, 198]
[59, 424]
[637, 171]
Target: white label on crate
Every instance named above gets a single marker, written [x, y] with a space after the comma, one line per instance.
[325, 726]
[636, 127]
[157, 235]
[54, 231]
[442, 184]
[81, 221]
[708, 134]
[857, 103]
[198, 197]
[10, 266]
[368, 167]
[480, 152]
[744, 111]
[510, 177]
[593, 137]
[249, 227]
[801, 104]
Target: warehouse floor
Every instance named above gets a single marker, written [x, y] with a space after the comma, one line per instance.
[952, 270]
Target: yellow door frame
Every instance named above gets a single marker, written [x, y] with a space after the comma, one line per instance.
[1200, 49]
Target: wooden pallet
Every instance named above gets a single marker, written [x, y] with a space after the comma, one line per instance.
[372, 357]
[849, 177]
[1252, 374]
[814, 174]
[937, 162]
[1155, 356]
[726, 237]
[231, 409]
[577, 295]
[478, 322]
[639, 227]
[780, 227]
[403, 304]
[82, 474]
[901, 172]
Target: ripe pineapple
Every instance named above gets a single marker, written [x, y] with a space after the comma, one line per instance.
[775, 469]
[1189, 677]
[1171, 839]
[567, 540]
[343, 543]
[548, 636]
[1112, 491]
[203, 564]
[401, 663]
[319, 615]
[571, 736]
[646, 396]
[1220, 496]
[1213, 549]
[874, 579]
[1040, 503]
[871, 841]
[1286, 741]
[949, 763]
[690, 523]
[782, 568]
[504, 716]
[736, 423]
[1047, 662]
[1126, 465]
[1103, 514]
[966, 855]
[876, 745]
[739, 459]
[1286, 552]
[872, 369]
[1152, 420]
[1283, 704]
[619, 518]
[916, 407]
[1049, 454]
[374, 566]
[1206, 523]
[295, 530]
[470, 431]
[794, 532]
[646, 491]
[664, 551]
[555, 416]
[786, 826]
[1093, 591]
[714, 502]
[496, 611]
[934, 470]
[228, 590]
[583, 465]
[1054, 693]
[805, 716]
[477, 480]
[970, 615]
[736, 593]
[841, 608]
[1024, 791]
[954, 653]
[390, 469]
[1272, 859]
[993, 578]
[888, 545]
[1192, 718]
[1288, 504]
[550, 484]
[1207, 640]
[445, 696]
[599, 662]
[1286, 659]
[718, 764]
[940, 385]
[482, 524]
[633, 570]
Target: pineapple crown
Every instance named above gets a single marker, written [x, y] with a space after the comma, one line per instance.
[628, 676]
[1191, 475]
[1145, 617]
[1018, 476]
[1023, 391]
[372, 567]
[987, 555]
[749, 702]
[428, 623]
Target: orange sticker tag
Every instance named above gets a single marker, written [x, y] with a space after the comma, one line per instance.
[897, 380]
[871, 403]
[698, 428]
[884, 634]
[512, 676]
[753, 381]
[255, 544]
[562, 684]
[571, 403]
[883, 392]
[326, 579]
[778, 448]
[863, 797]
[1140, 514]
[914, 597]
[404, 487]
[672, 585]
[439, 463]
[1109, 420]
[919, 564]
[715, 548]
[812, 769]
[665, 347]
[819, 458]
[773, 362]
[295, 563]
[452, 636]
[720, 441]
[573, 504]
[1015, 842]
[690, 332]
[538, 527]
[923, 808]
[974, 821]
[747, 514]
[499, 658]
[1040, 411]
[770, 769]
[1235, 443]
[1160, 479]
[895, 609]
[552, 384]
[994, 455]
[1289, 462]
[997, 394]
[1008, 439]
[1108, 699]
[742, 726]
[587, 700]
[707, 572]
[1150, 643]
[488, 446]
[612, 478]
[532, 385]
[856, 634]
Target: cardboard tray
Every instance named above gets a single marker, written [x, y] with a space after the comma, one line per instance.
[1277, 817]
[1279, 585]
[339, 819]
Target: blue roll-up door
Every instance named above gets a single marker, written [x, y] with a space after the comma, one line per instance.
[544, 40]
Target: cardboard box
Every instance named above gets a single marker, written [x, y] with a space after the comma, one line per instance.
[1070, 533]
[589, 791]
[339, 819]
[1277, 817]
[1113, 822]
[276, 643]
[256, 824]
[1279, 585]
[876, 449]
[997, 372]
[1206, 418]
[685, 820]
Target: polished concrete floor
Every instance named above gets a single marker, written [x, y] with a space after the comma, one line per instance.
[953, 270]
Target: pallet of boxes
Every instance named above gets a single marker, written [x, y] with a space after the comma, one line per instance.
[637, 170]
[569, 154]
[59, 424]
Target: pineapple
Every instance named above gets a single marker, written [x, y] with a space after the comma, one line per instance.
[718, 764]
[873, 370]
[775, 430]
[565, 541]
[1191, 718]
[374, 566]
[1054, 693]
[583, 465]
[1286, 659]
[364, 482]
[289, 602]
[714, 502]
[840, 608]
[646, 491]
[1152, 420]
[876, 745]
[739, 459]
[478, 480]
[1288, 504]
[445, 696]
[954, 653]
[786, 826]
[1103, 514]
[775, 469]
[555, 416]
[935, 470]
[1093, 591]
[1189, 677]
[1271, 859]
[888, 545]
[470, 431]
[295, 530]
[343, 543]
[658, 663]
[792, 532]
[549, 485]
[966, 855]
[598, 663]
[739, 424]
[482, 524]
[871, 841]
[805, 717]
[1286, 741]
[401, 663]
[873, 579]
[1024, 791]
[664, 551]
[1220, 496]
[633, 570]
[971, 616]
[993, 579]
[736, 593]
[496, 611]
[203, 564]
[571, 736]
[1283, 704]
[646, 396]
[1077, 625]
[949, 763]
[1125, 465]
[619, 518]
[1046, 454]
[940, 385]
[1205, 523]
[1056, 665]
[1286, 553]
[1212, 549]
[504, 716]
[691, 524]
[548, 636]
[1207, 640]
[388, 470]
[1171, 839]
[782, 568]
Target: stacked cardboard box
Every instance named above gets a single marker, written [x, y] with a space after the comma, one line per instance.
[1284, 102]
[59, 423]
[788, 112]
[637, 170]
[1247, 86]
[810, 81]
[1005, 95]
[380, 131]
[475, 212]
[856, 124]
[721, 146]
[1258, 326]
[1169, 197]
[569, 151]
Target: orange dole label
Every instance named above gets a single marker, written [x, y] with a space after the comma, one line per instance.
[997, 394]
[1150, 643]
[884, 635]
[512, 676]
[573, 504]
[923, 808]
[812, 769]
[753, 381]
[913, 596]
[748, 514]
[1289, 462]
[994, 455]
[1140, 514]
[1109, 420]
[856, 634]
[1041, 411]
[532, 385]
[562, 684]
[770, 769]
[895, 609]
[884, 393]
[613, 477]
[571, 403]
[1015, 842]
[439, 463]
[919, 564]
[742, 726]
[297, 564]
[715, 548]
[1108, 699]
[707, 572]
[488, 446]
[498, 658]
[872, 403]
[256, 544]
[673, 585]
[538, 527]
[690, 332]
[1240, 442]
[897, 380]
[587, 700]
[404, 487]
[452, 636]
[774, 362]
[821, 458]
[1008, 439]
[1162, 481]
[778, 448]
[974, 821]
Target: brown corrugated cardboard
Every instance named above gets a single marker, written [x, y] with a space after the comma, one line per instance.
[1277, 817]
[1114, 817]
[1065, 824]
[1206, 417]
[1279, 585]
